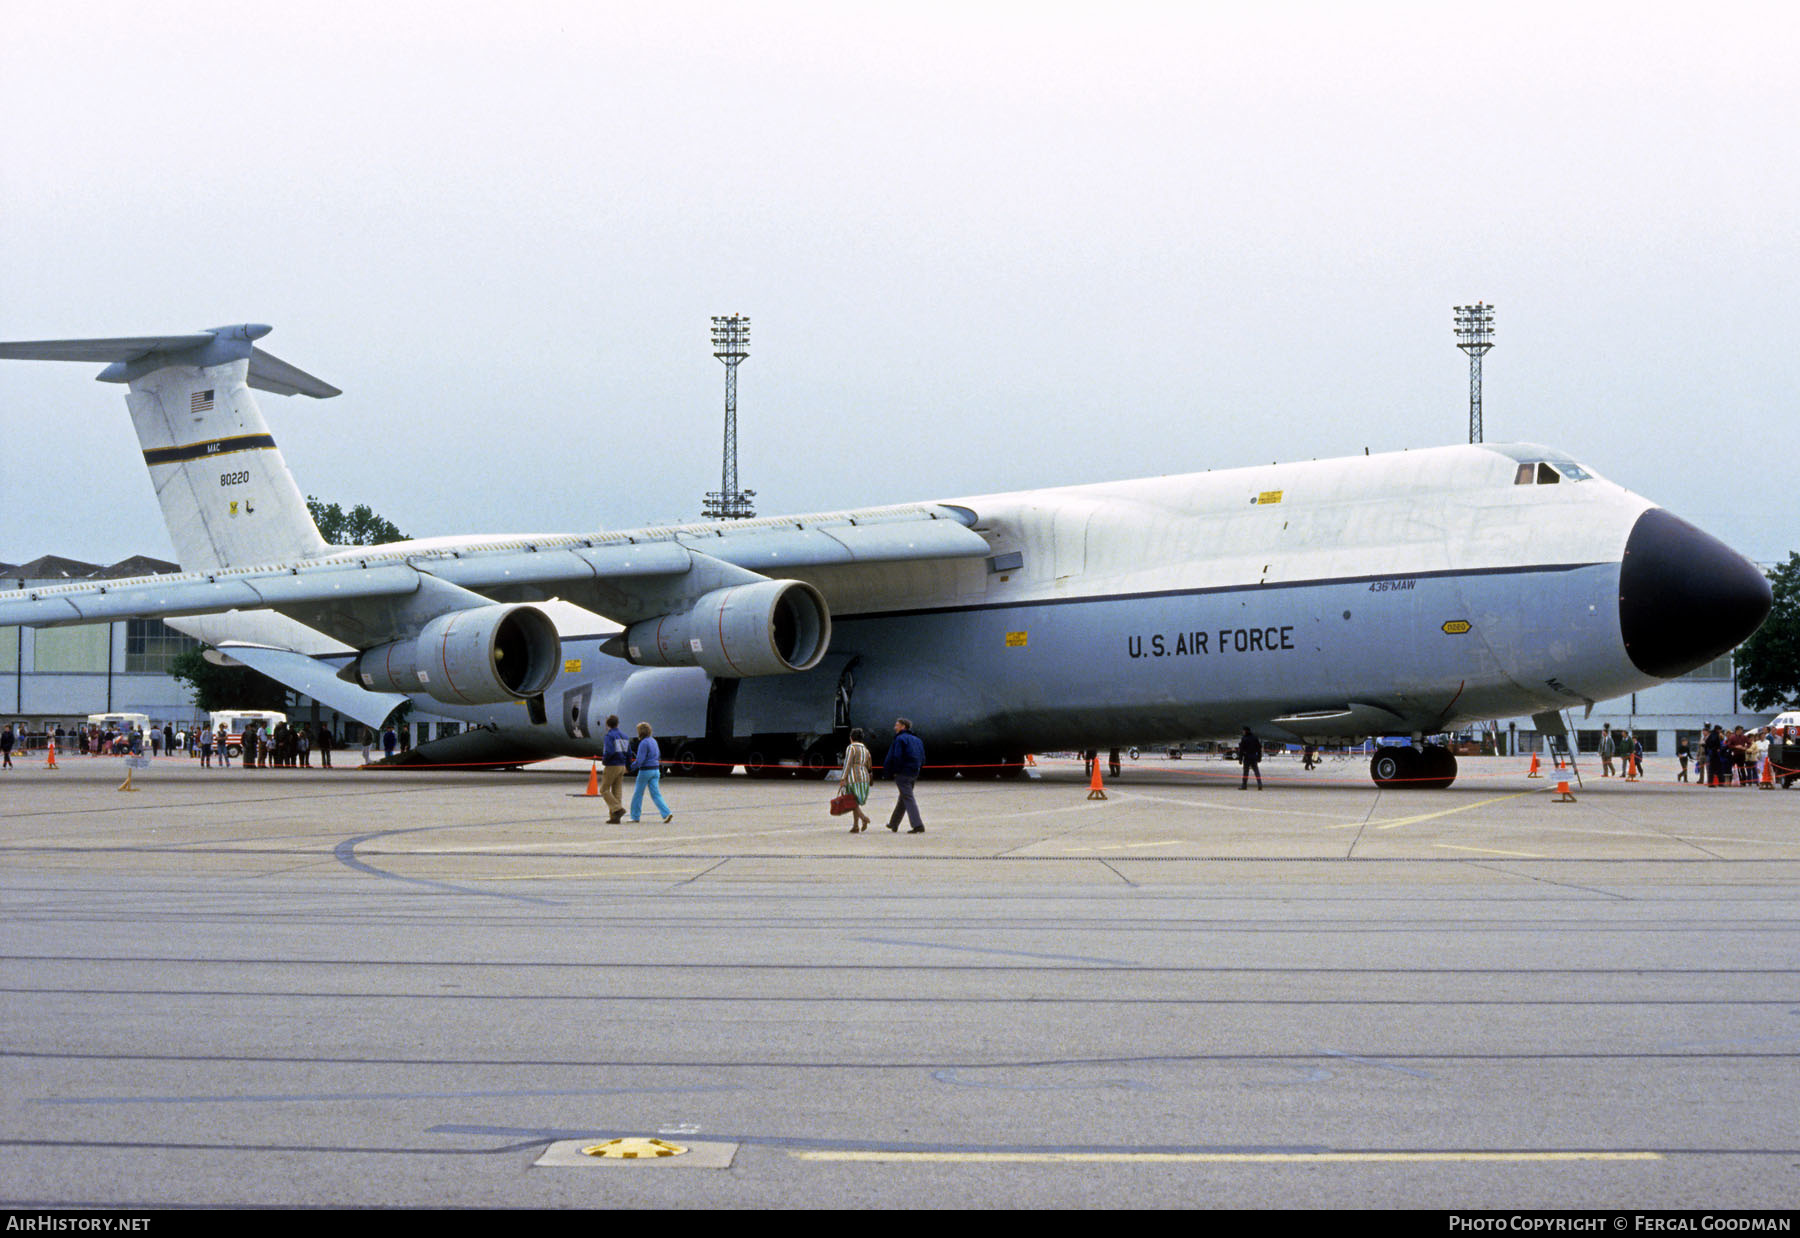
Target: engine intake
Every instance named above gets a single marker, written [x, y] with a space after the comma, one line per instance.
[484, 656]
[774, 627]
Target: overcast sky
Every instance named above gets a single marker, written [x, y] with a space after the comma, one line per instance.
[983, 247]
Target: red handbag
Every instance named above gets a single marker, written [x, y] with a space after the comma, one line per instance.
[842, 804]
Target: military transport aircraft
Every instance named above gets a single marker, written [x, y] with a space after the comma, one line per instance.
[1399, 594]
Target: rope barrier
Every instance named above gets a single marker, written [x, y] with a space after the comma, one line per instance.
[1223, 770]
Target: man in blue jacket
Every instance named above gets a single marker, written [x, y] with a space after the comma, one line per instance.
[615, 754]
[905, 758]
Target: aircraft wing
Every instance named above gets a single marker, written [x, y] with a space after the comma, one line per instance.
[367, 597]
[318, 680]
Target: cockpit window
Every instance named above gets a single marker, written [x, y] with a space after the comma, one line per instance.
[1544, 473]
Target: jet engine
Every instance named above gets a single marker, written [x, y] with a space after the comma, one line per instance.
[484, 656]
[770, 628]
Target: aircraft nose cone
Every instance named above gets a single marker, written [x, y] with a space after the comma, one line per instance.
[1685, 597]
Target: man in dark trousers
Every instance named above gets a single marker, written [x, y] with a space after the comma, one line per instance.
[905, 758]
[1250, 753]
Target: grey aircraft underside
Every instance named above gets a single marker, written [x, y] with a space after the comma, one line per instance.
[1411, 592]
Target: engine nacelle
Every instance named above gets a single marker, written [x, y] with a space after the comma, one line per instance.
[484, 656]
[773, 627]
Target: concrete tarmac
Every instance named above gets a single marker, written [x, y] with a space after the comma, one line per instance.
[392, 988]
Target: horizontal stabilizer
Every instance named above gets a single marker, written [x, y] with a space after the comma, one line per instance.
[132, 356]
[318, 680]
[269, 373]
[126, 348]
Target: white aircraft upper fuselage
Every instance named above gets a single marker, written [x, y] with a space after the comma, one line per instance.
[1406, 592]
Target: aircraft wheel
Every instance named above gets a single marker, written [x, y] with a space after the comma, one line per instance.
[817, 762]
[761, 765]
[1437, 768]
[1010, 766]
[988, 766]
[697, 761]
[1394, 769]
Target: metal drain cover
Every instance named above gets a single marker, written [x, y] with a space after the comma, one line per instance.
[638, 1150]
[631, 1149]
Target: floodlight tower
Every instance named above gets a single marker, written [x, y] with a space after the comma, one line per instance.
[731, 344]
[1475, 335]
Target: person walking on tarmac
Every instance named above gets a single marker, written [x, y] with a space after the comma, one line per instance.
[905, 758]
[647, 762]
[615, 754]
[855, 781]
[1250, 753]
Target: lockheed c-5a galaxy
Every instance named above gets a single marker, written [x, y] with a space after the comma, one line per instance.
[1407, 593]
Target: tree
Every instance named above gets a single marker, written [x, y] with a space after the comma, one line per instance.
[1768, 664]
[361, 527]
[227, 687]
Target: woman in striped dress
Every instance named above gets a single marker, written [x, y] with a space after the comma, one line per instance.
[857, 764]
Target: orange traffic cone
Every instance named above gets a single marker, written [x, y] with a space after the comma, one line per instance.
[1768, 774]
[593, 778]
[1562, 793]
[1030, 760]
[50, 757]
[1095, 791]
[1534, 767]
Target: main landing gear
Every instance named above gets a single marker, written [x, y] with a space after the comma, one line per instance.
[1431, 768]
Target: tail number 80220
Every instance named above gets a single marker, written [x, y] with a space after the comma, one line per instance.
[234, 479]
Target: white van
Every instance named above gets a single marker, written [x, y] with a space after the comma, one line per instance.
[233, 721]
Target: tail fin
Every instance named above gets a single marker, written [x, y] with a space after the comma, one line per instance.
[226, 493]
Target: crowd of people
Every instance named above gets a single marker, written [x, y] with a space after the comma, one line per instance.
[282, 746]
[1746, 758]
[1714, 758]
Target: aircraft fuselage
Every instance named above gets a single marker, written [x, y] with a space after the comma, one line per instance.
[1405, 593]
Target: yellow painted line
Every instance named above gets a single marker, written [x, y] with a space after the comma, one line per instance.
[1220, 1158]
[629, 872]
[1393, 822]
[1523, 855]
[1167, 842]
[1214, 806]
